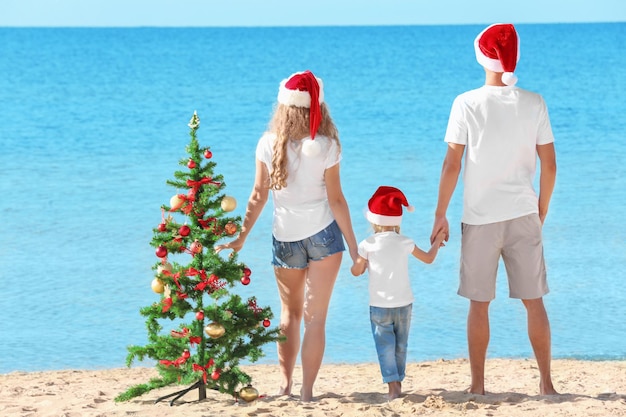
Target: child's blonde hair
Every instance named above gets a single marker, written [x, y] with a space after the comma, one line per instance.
[292, 123]
[378, 228]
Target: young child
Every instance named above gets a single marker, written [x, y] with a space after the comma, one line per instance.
[385, 255]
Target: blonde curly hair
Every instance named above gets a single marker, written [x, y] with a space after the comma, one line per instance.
[292, 123]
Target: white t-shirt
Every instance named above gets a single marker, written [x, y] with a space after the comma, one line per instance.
[301, 208]
[387, 255]
[500, 128]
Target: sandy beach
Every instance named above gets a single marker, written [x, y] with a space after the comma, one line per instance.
[431, 388]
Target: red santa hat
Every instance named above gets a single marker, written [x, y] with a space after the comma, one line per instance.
[303, 89]
[385, 206]
[497, 49]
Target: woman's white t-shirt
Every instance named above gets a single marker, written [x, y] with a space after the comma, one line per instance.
[301, 208]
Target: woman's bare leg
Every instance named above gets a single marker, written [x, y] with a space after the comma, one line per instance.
[320, 281]
[291, 284]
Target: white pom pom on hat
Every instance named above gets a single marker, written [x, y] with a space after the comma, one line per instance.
[303, 89]
[311, 148]
[385, 206]
[497, 49]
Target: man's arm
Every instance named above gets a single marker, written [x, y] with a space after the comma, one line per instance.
[547, 178]
[449, 177]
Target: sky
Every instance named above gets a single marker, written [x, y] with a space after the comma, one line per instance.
[134, 13]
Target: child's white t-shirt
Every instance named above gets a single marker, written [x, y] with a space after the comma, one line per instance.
[387, 255]
[500, 128]
[301, 208]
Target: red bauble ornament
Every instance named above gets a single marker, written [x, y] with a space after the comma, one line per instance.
[186, 354]
[200, 315]
[195, 247]
[161, 251]
[162, 227]
[215, 375]
[247, 271]
[230, 228]
[266, 323]
[184, 230]
[245, 280]
[208, 154]
[191, 164]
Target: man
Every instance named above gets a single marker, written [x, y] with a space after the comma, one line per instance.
[501, 129]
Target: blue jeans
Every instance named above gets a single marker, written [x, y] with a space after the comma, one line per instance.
[296, 255]
[390, 328]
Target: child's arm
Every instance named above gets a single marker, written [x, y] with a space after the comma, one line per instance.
[429, 257]
[359, 266]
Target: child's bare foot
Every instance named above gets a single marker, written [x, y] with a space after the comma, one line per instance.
[395, 390]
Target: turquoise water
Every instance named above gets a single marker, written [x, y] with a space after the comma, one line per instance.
[93, 122]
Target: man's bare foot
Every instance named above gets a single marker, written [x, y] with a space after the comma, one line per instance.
[395, 390]
[547, 389]
[306, 395]
[476, 390]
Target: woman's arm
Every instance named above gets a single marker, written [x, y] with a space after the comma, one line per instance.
[339, 207]
[256, 202]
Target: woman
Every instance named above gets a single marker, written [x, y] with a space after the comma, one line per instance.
[297, 159]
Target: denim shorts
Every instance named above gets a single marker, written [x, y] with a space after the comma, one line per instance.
[296, 255]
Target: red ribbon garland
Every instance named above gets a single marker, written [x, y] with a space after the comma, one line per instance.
[195, 186]
[253, 306]
[206, 223]
[176, 362]
[180, 335]
[204, 369]
[193, 340]
[174, 277]
[167, 304]
[192, 272]
[212, 281]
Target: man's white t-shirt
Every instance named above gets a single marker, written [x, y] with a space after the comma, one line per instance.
[500, 128]
[387, 255]
[301, 208]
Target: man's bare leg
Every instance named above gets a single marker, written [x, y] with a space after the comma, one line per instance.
[540, 339]
[477, 341]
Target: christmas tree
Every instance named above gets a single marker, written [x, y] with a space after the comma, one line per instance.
[224, 329]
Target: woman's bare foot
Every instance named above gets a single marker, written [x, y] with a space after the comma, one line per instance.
[285, 389]
[395, 390]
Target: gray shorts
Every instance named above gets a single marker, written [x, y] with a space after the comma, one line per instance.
[519, 243]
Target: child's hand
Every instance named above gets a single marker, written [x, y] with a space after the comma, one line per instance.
[359, 267]
[440, 239]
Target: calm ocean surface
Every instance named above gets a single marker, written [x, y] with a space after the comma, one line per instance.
[94, 121]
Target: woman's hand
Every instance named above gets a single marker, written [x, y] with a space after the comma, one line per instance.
[235, 245]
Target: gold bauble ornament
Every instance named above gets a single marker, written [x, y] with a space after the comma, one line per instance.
[157, 286]
[228, 203]
[214, 330]
[164, 267]
[177, 202]
[248, 394]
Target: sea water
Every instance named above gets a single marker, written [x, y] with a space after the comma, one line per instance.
[94, 121]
